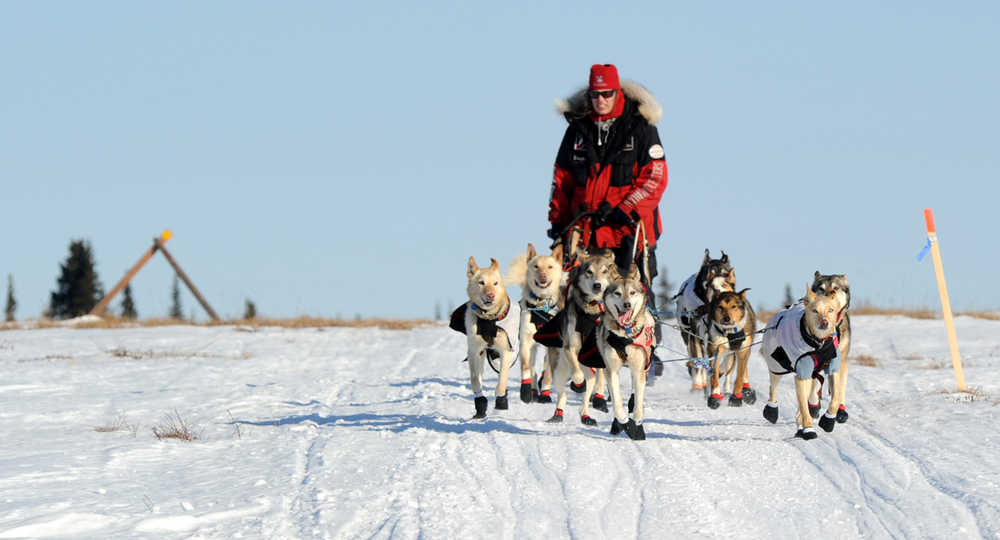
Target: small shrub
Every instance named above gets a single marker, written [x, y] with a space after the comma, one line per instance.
[173, 426]
[866, 360]
[119, 424]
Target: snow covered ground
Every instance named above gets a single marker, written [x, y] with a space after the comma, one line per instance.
[365, 433]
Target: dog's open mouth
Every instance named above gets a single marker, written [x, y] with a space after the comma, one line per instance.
[541, 284]
[624, 317]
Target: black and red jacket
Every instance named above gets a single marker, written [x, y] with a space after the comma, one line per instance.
[625, 167]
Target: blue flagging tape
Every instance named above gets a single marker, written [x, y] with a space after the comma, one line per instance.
[923, 252]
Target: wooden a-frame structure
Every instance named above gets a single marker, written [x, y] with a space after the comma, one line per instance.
[157, 246]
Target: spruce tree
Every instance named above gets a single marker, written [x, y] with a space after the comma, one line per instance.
[249, 310]
[175, 300]
[11, 303]
[789, 298]
[128, 304]
[665, 292]
[78, 289]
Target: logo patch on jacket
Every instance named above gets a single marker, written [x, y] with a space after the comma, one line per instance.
[656, 151]
[578, 145]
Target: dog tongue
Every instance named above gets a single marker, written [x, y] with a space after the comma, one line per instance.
[624, 317]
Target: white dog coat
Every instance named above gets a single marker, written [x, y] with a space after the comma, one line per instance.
[788, 346]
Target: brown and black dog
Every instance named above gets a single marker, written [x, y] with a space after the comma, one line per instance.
[731, 327]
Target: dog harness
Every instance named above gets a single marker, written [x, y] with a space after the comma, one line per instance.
[788, 347]
[486, 326]
[542, 308]
[643, 339]
[734, 334]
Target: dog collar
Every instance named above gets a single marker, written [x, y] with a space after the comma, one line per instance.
[544, 303]
[483, 314]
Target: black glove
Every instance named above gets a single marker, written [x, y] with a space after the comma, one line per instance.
[553, 233]
[601, 214]
[619, 217]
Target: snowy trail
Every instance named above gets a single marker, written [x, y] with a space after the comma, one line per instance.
[365, 433]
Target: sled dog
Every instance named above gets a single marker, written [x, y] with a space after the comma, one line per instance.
[540, 278]
[626, 338]
[573, 330]
[802, 339]
[714, 276]
[731, 327]
[489, 320]
[836, 286]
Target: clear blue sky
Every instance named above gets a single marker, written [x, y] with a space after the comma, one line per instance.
[347, 158]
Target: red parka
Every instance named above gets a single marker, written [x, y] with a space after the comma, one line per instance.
[623, 165]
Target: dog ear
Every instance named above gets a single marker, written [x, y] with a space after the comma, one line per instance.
[708, 258]
[731, 277]
[557, 254]
[473, 267]
[494, 265]
[531, 251]
[725, 258]
[810, 295]
[743, 294]
[816, 275]
[633, 272]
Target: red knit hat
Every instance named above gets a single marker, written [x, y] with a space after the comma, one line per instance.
[604, 77]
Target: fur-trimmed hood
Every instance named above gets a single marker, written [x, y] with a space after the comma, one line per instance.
[578, 104]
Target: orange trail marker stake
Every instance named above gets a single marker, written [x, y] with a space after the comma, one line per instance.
[956, 360]
[103, 304]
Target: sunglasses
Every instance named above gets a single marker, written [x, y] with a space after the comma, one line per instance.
[607, 94]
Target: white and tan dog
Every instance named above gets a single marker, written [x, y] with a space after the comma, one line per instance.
[731, 327]
[489, 320]
[540, 278]
[836, 286]
[627, 338]
[802, 339]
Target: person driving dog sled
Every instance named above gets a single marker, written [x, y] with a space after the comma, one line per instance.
[611, 163]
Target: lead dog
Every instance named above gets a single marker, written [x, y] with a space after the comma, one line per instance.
[836, 286]
[573, 330]
[732, 324]
[626, 338]
[489, 321]
[540, 278]
[714, 276]
[801, 339]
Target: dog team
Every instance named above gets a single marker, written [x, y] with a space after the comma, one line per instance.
[588, 318]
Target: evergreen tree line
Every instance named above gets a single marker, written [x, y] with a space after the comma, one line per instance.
[78, 290]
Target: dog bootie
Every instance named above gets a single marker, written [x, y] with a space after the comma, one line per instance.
[598, 402]
[714, 400]
[814, 410]
[735, 400]
[545, 396]
[771, 413]
[749, 395]
[657, 365]
[635, 431]
[827, 422]
[807, 434]
[481, 404]
[617, 427]
[842, 414]
[587, 420]
[578, 388]
[557, 417]
[526, 392]
[501, 403]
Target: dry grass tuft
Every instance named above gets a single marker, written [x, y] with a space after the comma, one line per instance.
[866, 308]
[987, 315]
[865, 360]
[130, 354]
[174, 427]
[120, 424]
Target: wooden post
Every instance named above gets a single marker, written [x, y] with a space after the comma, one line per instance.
[191, 287]
[956, 360]
[103, 304]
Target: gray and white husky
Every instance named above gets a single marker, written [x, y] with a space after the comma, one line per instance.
[577, 331]
[626, 339]
[693, 295]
